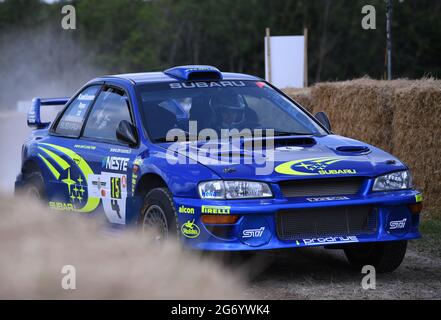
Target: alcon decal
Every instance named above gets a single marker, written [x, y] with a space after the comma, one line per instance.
[313, 167]
[186, 210]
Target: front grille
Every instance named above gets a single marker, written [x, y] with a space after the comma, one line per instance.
[321, 187]
[325, 222]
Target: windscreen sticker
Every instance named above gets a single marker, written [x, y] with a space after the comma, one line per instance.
[86, 97]
[217, 84]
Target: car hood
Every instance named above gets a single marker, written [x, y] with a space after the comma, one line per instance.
[296, 158]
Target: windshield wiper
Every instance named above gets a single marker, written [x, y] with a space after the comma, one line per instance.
[286, 133]
[276, 134]
[164, 139]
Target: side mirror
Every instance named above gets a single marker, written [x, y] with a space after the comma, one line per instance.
[322, 117]
[126, 133]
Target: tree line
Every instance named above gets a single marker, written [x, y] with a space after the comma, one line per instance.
[144, 35]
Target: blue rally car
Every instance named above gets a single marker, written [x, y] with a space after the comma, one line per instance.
[221, 161]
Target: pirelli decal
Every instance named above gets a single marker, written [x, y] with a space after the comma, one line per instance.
[216, 210]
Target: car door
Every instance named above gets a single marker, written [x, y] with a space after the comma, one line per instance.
[110, 159]
[64, 169]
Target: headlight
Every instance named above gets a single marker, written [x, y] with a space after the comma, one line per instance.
[212, 190]
[393, 181]
[234, 190]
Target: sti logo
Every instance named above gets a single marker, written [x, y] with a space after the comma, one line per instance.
[115, 163]
[253, 233]
[398, 224]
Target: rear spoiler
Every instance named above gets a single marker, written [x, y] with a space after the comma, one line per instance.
[34, 119]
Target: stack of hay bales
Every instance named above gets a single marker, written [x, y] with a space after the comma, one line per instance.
[302, 96]
[401, 116]
[417, 136]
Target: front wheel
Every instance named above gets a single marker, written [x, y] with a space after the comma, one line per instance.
[384, 256]
[158, 215]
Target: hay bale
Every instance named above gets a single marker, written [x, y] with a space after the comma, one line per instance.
[417, 136]
[301, 96]
[359, 109]
[400, 116]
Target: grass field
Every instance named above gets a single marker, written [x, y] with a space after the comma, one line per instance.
[430, 243]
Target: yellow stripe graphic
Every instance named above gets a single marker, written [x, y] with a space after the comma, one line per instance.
[60, 161]
[92, 203]
[50, 166]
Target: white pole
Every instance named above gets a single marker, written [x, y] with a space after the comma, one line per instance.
[305, 68]
[389, 39]
[268, 54]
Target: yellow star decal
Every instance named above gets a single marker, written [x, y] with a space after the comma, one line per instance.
[68, 181]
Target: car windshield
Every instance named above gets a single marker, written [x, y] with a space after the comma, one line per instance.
[220, 105]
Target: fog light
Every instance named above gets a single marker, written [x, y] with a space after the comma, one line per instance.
[224, 219]
[416, 208]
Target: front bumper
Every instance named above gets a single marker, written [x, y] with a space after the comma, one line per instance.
[256, 228]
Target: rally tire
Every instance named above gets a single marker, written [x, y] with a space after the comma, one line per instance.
[384, 256]
[160, 202]
[34, 187]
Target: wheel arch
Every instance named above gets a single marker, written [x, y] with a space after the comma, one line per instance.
[148, 182]
[30, 166]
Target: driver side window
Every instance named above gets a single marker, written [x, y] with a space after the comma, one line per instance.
[110, 109]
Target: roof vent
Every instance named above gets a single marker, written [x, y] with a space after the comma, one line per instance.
[195, 73]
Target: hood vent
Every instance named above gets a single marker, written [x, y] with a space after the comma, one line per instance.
[294, 142]
[355, 150]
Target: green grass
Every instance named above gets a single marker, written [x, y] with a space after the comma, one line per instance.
[430, 243]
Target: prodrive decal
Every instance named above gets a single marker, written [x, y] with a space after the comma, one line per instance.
[319, 199]
[329, 240]
[313, 167]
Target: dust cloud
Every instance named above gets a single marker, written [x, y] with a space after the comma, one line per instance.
[42, 62]
[36, 243]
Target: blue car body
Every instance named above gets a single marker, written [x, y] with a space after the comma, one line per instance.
[74, 168]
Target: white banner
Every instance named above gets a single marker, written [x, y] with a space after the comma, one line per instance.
[287, 61]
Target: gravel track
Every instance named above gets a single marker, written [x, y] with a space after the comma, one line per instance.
[317, 273]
